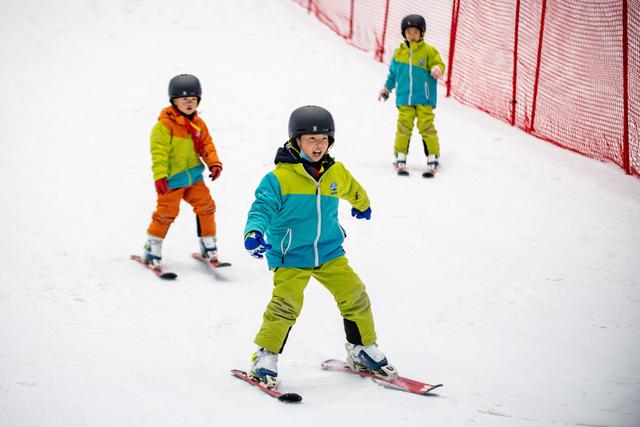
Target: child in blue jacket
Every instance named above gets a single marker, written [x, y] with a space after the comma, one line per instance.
[414, 71]
[296, 208]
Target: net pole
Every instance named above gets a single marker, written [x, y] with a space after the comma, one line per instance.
[514, 84]
[625, 88]
[455, 9]
[536, 82]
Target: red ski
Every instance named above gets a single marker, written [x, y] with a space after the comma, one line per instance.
[283, 397]
[399, 383]
[212, 264]
[158, 272]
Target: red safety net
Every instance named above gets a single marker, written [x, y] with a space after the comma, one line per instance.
[565, 71]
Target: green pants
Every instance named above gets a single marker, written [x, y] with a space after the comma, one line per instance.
[288, 296]
[406, 116]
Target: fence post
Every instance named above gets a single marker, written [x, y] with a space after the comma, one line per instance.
[350, 36]
[514, 100]
[455, 9]
[625, 87]
[380, 49]
[536, 81]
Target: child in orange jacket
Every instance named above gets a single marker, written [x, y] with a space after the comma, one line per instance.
[180, 143]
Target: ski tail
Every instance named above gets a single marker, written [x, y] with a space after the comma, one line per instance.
[283, 397]
[166, 275]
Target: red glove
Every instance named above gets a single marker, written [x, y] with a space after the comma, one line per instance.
[162, 186]
[215, 172]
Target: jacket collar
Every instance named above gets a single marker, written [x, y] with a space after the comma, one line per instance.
[289, 153]
[172, 113]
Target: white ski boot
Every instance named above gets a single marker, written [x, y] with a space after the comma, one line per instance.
[153, 252]
[209, 248]
[264, 368]
[369, 358]
[433, 163]
[401, 164]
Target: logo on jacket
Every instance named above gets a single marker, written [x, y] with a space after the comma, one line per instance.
[421, 62]
[334, 188]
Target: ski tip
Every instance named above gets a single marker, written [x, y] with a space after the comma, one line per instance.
[290, 398]
[431, 388]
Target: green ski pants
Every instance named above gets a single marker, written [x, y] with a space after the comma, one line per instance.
[406, 117]
[288, 296]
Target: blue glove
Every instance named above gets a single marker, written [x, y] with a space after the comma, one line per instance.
[254, 244]
[366, 214]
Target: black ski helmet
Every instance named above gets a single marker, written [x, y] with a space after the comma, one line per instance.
[184, 85]
[416, 21]
[311, 119]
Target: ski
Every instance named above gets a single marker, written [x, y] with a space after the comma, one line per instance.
[283, 397]
[399, 383]
[158, 272]
[428, 174]
[212, 264]
[401, 171]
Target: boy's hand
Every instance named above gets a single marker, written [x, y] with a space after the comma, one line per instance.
[384, 94]
[216, 170]
[254, 244]
[436, 72]
[366, 214]
[162, 186]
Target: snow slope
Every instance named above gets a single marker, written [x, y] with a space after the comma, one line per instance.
[513, 277]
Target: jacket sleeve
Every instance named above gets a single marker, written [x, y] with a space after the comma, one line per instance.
[434, 59]
[390, 84]
[266, 205]
[353, 192]
[160, 141]
[209, 153]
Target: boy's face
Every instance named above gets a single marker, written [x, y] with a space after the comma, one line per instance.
[314, 145]
[412, 34]
[186, 104]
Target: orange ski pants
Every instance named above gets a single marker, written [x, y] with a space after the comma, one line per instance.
[198, 196]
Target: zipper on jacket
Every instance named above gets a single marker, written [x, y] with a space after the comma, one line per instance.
[410, 74]
[319, 210]
[284, 249]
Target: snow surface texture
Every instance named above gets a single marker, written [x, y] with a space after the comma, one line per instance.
[513, 277]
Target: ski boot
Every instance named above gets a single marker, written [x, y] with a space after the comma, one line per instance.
[208, 248]
[401, 164]
[369, 358]
[153, 252]
[433, 164]
[264, 368]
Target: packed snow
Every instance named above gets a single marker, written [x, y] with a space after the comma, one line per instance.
[513, 277]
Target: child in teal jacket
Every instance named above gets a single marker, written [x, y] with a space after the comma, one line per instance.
[413, 72]
[296, 209]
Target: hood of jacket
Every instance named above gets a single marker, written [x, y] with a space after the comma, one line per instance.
[290, 153]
